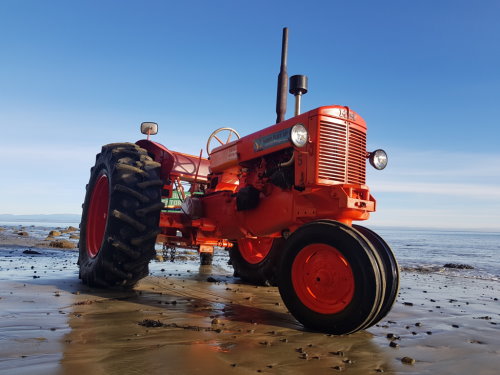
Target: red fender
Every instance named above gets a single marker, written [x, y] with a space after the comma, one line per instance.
[160, 154]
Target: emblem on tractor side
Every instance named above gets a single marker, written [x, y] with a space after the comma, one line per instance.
[271, 140]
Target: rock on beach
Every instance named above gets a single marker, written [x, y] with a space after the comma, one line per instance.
[63, 244]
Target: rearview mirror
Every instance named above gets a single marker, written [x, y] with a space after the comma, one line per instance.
[149, 128]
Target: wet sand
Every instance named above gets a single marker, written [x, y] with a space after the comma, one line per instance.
[191, 319]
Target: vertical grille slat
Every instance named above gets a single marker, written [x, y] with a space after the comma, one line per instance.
[342, 154]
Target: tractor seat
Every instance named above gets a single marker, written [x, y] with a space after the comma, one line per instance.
[185, 166]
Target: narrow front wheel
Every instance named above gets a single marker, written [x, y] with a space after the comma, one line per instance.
[206, 259]
[256, 260]
[390, 268]
[330, 278]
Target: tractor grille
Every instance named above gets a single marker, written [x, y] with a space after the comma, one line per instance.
[342, 154]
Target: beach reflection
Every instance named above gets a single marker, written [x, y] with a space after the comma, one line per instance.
[187, 326]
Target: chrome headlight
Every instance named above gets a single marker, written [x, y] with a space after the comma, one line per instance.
[378, 159]
[299, 135]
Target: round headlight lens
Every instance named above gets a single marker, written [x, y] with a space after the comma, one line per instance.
[299, 135]
[378, 159]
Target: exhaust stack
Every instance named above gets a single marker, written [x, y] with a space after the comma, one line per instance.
[282, 80]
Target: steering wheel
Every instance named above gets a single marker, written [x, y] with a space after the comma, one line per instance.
[230, 132]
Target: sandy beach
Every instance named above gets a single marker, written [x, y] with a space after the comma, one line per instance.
[191, 319]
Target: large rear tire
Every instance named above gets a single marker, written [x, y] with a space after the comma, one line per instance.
[256, 261]
[120, 217]
[331, 278]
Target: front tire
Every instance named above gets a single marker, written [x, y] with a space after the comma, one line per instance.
[120, 217]
[206, 259]
[331, 278]
[256, 261]
[390, 267]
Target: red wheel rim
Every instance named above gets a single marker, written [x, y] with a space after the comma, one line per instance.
[322, 279]
[97, 215]
[254, 250]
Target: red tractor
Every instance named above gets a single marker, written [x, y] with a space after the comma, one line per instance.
[282, 201]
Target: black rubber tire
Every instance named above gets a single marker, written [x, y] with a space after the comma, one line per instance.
[391, 270]
[262, 273]
[206, 259]
[132, 217]
[369, 280]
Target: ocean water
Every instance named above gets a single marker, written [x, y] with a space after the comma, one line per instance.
[417, 250]
[427, 250]
[29, 224]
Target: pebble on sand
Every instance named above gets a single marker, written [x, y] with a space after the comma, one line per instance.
[408, 360]
[31, 252]
[151, 323]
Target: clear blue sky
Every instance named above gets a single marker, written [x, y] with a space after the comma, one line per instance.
[425, 75]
